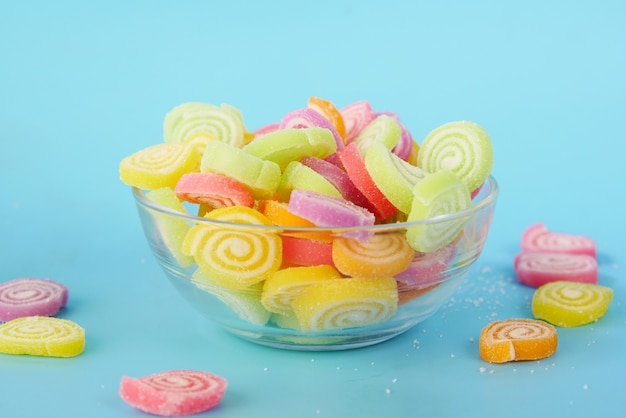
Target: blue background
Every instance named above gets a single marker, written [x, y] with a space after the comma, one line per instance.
[83, 84]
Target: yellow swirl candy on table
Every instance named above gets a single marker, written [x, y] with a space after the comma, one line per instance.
[42, 336]
[235, 256]
[282, 286]
[158, 166]
[245, 303]
[570, 304]
[224, 122]
[346, 303]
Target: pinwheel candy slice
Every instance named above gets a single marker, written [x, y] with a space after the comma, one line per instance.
[356, 117]
[174, 392]
[308, 118]
[42, 336]
[31, 297]
[517, 339]
[328, 109]
[537, 238]
[537, 268]
[212, 189]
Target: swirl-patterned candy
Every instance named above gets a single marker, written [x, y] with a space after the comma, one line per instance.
[570, 304]
[536, 269]
[42, 336]
[517, 339]
[345, 303]
[537, 238]
[174, 392]
[462, 147]
[235, 256]
[31, 297]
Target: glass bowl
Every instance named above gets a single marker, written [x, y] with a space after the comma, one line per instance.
[306, 305]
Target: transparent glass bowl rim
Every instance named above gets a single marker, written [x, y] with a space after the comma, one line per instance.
[486, 201]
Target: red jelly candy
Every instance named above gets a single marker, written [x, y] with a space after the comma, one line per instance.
[174, 392]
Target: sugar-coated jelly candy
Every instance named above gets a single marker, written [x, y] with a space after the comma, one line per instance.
[212, 189]
[31, 297]
[299, 176]
[517, 339]
[260, 176]
[303, 251]
[328, 109]
[245, 303]
[223, 122]
[173, 392]
[570, 304]
[538, 268]
[309, 118]
[439, 193]
[426, 269]
[404, 147]
[235, 256]
[537, 238]
[356, 117]
[42, 336]
[282, 286]
[345, 303]
[160, 165]
[384, 130]
[382, 255]
[463, 147]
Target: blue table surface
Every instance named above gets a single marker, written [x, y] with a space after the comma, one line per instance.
[83, 84]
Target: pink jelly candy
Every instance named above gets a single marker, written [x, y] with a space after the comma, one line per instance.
[356, 117]
[307, 118]
[536, 269]
[537, 238]
[31, 297]
[427, 268]
[174, 392]
[215, 190]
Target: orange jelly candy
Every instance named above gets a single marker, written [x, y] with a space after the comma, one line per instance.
[517, 339]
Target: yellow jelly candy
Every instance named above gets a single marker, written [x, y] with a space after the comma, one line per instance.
[232, 255]
[346, 303]
[42, 336]
[160, 165]
[570, 304]
[282, 286]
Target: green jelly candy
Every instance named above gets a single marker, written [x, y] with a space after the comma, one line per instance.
[261, 177]
[438, 194]
[462, 147]
[286, 145]
[187, 120]
[299, 176]
[383, 129]
[394, 177]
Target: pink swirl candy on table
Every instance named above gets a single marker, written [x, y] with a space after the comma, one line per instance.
[537, 238]
[535, 269]
[31, 297]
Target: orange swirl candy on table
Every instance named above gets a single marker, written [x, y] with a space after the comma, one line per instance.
[235, 256]
[517, 340]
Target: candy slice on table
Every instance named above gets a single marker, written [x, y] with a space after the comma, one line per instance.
[329, 211]
[245, 303]
[173, 392]
[537, 238]
[308, 118]
[42, 336]
[393, 176]
[382, 255]
[517, 339]
[265, 129]
[345, 303]
[439, 193]
[278, 213]
[328, 109]
[261, 177]
[282, 286]
[537, 269]
[299, 176]
[426, 269]
[224, 122]
[352, 161]
[570, 304]
[462, 147]
[172, 230]
[301, 251]
[235, 256]
[338, 178]
[212, 189]
[286, 145]
[356, 117]
[31, 297]
[157, 166]
[384, 129]
[404, 147]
